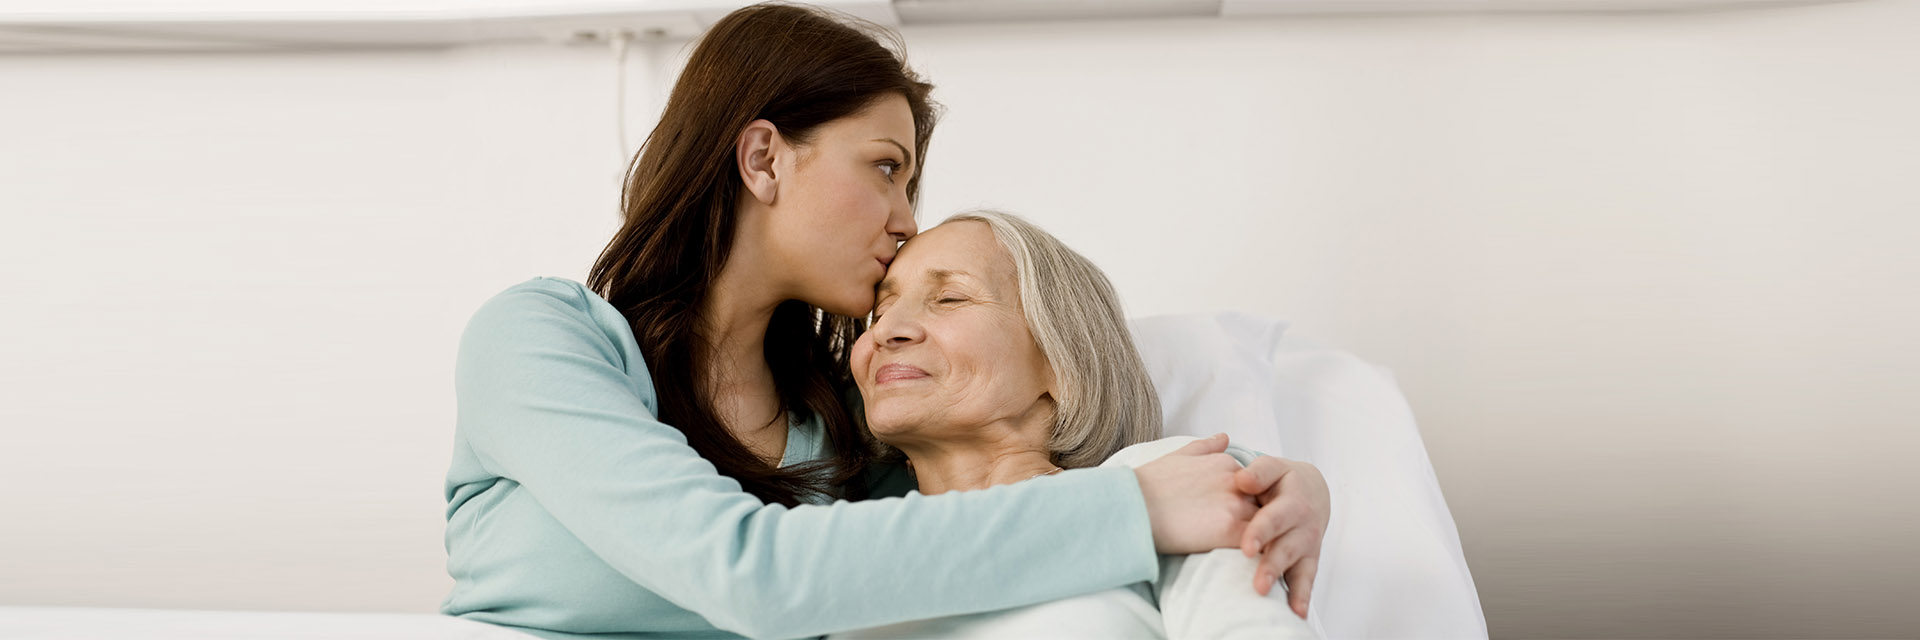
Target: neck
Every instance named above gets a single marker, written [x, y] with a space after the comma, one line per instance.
[733, 324]
[945, 466]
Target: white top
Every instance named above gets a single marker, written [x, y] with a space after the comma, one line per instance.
[1203, 595]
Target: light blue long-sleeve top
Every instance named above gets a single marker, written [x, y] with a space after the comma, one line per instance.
[572, 511]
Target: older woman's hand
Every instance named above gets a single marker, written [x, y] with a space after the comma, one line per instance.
[1289, 527]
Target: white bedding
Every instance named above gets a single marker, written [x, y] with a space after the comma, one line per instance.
[1203, 596]
[1391, 565]
[85, 623]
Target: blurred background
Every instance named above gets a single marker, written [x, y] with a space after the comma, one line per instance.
[1645, 270]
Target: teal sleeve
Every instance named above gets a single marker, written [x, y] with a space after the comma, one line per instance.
[564, 406]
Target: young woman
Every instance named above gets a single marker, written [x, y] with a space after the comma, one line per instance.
[659, 451]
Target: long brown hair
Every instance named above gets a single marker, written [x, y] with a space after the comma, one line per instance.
[798, 67]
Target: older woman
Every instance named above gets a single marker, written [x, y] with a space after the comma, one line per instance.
[997, 356]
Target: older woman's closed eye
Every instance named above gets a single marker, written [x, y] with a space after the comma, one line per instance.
[997, 355]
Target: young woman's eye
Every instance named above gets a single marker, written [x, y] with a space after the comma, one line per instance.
[888, 169]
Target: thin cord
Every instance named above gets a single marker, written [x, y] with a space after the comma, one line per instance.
[621, 38]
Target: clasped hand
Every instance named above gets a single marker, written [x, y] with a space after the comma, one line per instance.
[1200, 499]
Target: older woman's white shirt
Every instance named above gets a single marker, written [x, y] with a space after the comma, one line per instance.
[1204, 595]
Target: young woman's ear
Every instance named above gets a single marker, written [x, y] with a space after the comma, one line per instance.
[757, 151]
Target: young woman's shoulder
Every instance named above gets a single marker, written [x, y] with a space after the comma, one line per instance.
[557, 320]
[553, 296]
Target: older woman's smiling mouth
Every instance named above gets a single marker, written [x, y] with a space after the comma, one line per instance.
[894, 372]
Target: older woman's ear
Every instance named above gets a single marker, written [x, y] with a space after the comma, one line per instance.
[1052, 394]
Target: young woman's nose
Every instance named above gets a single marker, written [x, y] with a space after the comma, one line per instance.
[900, 223]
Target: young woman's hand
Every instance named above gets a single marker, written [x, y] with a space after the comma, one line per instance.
[1192, 499]
[1289, 527]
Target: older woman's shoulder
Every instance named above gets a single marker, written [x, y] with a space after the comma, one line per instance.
[1151, 450]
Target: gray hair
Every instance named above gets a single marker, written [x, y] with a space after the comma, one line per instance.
[1106, 400]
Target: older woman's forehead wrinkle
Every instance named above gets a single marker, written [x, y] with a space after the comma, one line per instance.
[891, 285]
[976, 259]
[945, 275]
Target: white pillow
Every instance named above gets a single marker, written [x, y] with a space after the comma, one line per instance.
[1391, 565]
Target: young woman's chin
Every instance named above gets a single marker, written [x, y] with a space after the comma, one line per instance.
[853, 306]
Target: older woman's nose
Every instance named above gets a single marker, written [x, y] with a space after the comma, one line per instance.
[896, 329]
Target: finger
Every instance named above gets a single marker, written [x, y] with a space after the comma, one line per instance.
[1274, 519]
[1205, 446]
[1234, 529]
[1281, 556]
[1300, 584]
[1263, 474]
[1244, 509]
[1263, 578]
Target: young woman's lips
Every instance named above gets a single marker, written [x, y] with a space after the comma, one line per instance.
[894, 372]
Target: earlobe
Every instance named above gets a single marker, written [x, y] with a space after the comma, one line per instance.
[755, 152]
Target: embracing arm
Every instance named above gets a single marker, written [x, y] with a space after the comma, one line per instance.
[553, 400]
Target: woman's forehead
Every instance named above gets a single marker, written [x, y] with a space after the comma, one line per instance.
[964, 250]
[886, 118]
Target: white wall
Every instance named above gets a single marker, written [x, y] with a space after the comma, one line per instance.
[1647, 281]
[233, 288]
[1642, 277]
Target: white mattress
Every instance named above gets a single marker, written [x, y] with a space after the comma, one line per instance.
[85, 623]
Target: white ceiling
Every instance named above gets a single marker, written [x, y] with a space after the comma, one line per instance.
[80, 26]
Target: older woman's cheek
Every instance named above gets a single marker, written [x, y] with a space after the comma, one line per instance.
[858, 360]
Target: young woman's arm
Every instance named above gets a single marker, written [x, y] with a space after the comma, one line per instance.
[553, 395]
